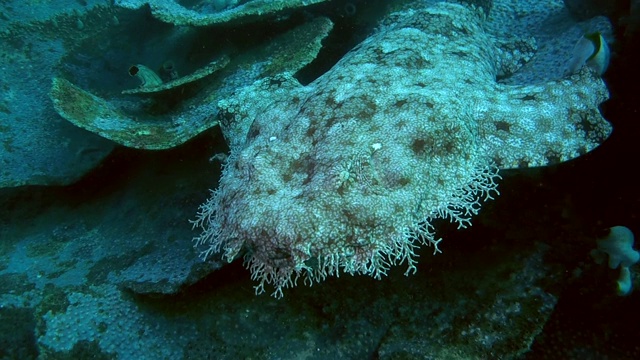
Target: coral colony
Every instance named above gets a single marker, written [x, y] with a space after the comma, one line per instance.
[347, 173]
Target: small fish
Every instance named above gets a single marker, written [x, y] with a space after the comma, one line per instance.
[591, 50]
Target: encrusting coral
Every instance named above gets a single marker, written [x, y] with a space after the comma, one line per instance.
[347, 173]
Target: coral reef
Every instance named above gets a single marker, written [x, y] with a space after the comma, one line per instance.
[203, 14]
[340, 162]
[132, 124]
[39, 148]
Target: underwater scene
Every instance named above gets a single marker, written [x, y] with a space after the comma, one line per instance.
[319, 179]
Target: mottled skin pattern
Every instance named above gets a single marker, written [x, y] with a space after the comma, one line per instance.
[346, 173]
